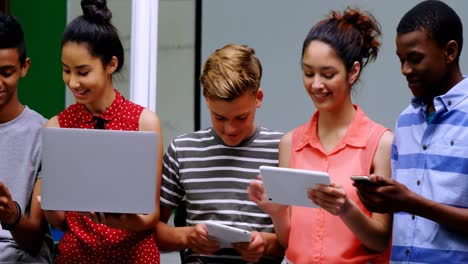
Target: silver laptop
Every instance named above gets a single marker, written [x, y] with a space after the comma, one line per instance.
[91, 170]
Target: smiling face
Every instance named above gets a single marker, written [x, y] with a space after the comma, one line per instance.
[234, 120]
[10, 72]
[86, 76]
[423, 63]
[325, 77]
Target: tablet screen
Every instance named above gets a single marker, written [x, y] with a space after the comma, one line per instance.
[289, 186]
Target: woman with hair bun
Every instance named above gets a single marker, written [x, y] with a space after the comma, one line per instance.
[340, 140]
[91, 53]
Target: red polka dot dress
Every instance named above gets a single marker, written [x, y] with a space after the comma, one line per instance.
[85, 241]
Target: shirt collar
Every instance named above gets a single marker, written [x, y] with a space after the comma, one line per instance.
[110, 112]
[245, 142]
[453, 97]
[353, 137]
[448, 100]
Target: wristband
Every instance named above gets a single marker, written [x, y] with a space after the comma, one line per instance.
[12, 226]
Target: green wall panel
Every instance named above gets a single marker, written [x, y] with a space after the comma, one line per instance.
[43, 23]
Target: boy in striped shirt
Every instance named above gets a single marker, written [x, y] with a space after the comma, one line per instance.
[212, 168]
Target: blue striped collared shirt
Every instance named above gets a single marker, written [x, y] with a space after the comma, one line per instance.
[431, 159]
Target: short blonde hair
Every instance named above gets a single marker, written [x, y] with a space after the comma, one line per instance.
[231, 71]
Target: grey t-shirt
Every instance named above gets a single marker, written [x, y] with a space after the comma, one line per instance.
[20, 152]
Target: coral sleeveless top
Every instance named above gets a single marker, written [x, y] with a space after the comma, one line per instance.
[316, 236]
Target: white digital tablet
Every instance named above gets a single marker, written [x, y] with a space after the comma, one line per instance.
[226, 235]
[289, 186]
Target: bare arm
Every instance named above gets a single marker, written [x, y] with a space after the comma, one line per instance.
[272, 245]
[282, 219]
[452, 217]
[29, 232]
[374, 232]
[170, 238]
[393, 196]
[280, 214]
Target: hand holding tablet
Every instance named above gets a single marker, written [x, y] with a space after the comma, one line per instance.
[226, 235]
[289, 186]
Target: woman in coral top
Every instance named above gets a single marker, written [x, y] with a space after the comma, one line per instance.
[91, 53]
[340, 140]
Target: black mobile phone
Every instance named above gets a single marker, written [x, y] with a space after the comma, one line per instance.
[364, 180]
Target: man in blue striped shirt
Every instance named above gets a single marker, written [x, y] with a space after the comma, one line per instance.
[429, 189]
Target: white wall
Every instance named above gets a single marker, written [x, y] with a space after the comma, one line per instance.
[176, 66]
[276, 30]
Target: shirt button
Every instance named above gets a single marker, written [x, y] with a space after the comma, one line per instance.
[424, 147]
[407, 251]
[449, 103]
[413, 217]
[418, 182]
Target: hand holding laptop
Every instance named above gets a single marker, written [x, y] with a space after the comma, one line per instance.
[130, 222]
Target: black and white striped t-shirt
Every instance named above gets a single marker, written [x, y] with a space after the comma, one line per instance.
[214, 177]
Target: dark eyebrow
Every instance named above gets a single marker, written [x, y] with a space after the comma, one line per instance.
[414, 53]
[77, 67]
[237, 116]
[411, 53]
[216, 114]
[8, 67]
[243, 114]
[306, 65]
[322, 68]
